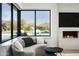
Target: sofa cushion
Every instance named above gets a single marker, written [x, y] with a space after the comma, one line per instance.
[51, 43]
[18, 46]
[32, 49]
[21, 41]
[4, 50]
[34, 39]
[28, 41]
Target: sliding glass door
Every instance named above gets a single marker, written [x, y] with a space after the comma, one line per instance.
[6, 22]
[14, 22]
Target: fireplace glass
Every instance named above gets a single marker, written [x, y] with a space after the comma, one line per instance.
[70, 34]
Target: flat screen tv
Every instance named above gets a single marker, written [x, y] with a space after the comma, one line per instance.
[68, 19]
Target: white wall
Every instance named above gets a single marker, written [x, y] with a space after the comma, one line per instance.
[68, 43]
[68, 7]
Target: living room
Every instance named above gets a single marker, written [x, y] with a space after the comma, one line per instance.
[50, 32]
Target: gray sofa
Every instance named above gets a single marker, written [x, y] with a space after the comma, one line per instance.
[19, 49]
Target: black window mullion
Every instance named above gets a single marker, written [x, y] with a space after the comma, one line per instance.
[0, 21]
[11, 21]
[19, 23]
[50, 22]
[35, 22]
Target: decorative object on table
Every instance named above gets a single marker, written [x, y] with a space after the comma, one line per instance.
[51, 51]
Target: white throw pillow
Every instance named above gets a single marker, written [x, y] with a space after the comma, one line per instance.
[34, 39]
[18, 46]
[51, 43]
[40, 40]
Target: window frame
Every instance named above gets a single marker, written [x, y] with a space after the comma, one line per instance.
[19, 22]
[1, 23]
[35, 23]
[11, 6]
[15, 8]
[34, 20]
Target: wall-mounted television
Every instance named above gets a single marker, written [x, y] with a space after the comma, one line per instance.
[68, 19]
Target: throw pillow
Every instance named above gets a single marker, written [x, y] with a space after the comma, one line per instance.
[22, 42]
[51, 43]
[28, 41]
[34, 39]
[40, 40]
[18, 46]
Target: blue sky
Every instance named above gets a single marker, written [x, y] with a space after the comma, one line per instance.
[41, 16]
[6, 13]
[27, 16]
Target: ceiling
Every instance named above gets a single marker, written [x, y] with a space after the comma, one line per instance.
[60, 6]
[35, 5]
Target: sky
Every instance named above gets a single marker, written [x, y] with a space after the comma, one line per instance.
[6, 12]
[41, 16]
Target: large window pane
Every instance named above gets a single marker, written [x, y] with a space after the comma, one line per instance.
[27, 22]
[6, 22]
[42, 23]
[14, 22]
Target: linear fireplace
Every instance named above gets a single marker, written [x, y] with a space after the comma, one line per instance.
[69, 38]
[70, 34]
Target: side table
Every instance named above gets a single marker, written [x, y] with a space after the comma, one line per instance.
[51, 51]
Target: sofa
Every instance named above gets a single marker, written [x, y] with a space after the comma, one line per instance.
[35, 48]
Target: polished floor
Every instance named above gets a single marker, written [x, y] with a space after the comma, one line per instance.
[69, 53]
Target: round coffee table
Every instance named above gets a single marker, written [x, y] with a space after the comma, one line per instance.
[51, 51]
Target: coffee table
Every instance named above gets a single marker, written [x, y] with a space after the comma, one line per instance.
[51, 51]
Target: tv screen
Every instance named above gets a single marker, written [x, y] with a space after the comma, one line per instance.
[68, 19]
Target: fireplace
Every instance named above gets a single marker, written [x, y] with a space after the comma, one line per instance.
[70, 34]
